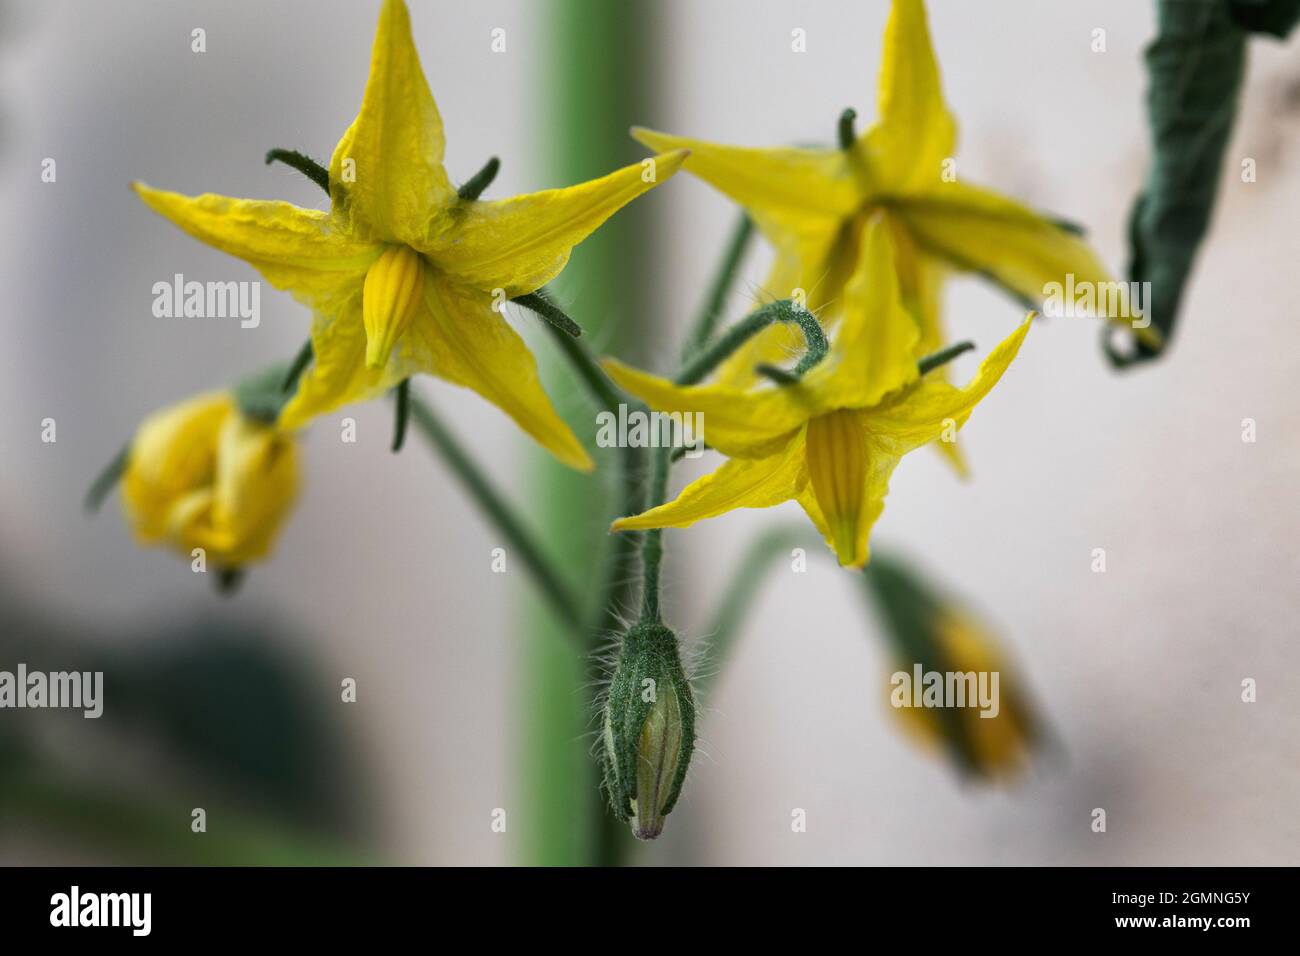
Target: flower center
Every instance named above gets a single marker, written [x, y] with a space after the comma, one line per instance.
[389, 300]
[837, 467]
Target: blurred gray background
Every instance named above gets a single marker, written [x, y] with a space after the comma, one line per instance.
[384, 573]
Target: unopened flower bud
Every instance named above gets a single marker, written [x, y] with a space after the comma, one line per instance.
[649, 729]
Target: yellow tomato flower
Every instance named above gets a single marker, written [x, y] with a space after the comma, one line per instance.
[202, 475]
[813, 204]
[831, 440]
[993, 747]
[403, 276]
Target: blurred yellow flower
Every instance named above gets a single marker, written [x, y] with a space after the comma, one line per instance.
[403, 275]
[813, 205]
[990, 746]
[203, 475]
[832, 439]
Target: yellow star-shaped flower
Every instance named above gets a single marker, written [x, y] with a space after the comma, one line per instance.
[403, 276]
[831, 440]
[813, 204]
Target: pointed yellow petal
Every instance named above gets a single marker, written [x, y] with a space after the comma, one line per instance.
[874, 351]
[978, 230]
[788, 182]
[848, 478]
[386, 174]
[797, 197]
[739, 483]
[461, 338]
[740, 424]
[338, 374]
[255, 489]
[931, 407]
[455, 336]
[521, 244]
[301, 250]
[920, 281]
[915, 132]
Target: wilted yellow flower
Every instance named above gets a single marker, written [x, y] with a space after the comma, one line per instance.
[830, 440]
[403, 275]
[203, 475]
[813, 206]
[991, 746]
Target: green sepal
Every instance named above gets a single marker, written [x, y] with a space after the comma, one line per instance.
[261, 396]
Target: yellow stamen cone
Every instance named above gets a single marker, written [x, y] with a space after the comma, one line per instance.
[837, 468]
[389, 301]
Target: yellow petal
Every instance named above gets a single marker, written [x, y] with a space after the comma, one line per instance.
[926, 410]
[920, 281]
[800, 200]
[978, 230]
[173, 452]
[455, 336]
[915, 132]
[740, 424]
[797, 197]
[791, 183]
[302, 250]
[874, 351]
[848, 478]
[256, 486]
[739, 483]
[338, 374]
[461, 338]
[386, 174]
[520, 244]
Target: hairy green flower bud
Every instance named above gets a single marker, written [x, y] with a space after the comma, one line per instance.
[649, 729]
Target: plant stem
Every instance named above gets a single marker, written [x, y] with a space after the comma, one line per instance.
[549, 581]
[739, 596]
[707, 319]
[652, 545]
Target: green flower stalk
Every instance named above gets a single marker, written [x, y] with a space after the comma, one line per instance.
[649, 729]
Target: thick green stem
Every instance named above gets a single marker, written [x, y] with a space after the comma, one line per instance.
[549, 581]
